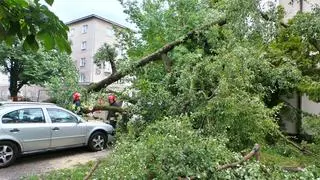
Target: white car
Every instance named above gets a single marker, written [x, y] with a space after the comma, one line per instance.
[27, 127]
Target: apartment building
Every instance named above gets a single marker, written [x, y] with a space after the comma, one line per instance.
[293, 6]
[87, 35]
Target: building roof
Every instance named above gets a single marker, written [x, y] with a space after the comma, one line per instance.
[97, 17]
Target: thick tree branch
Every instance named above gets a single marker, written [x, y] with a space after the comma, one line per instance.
[302, 149]
[103, 108]
[92, 170]
[150, 58]
[19, 86]
[255, 152]
[113, 66]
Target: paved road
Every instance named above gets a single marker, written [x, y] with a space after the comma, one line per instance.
[48, 161]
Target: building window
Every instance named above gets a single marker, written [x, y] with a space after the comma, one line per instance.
[82, 77]
[84, 45]
[84, 29]
[82, 62]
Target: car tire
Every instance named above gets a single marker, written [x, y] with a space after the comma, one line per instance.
[97, 141]
[8, 153]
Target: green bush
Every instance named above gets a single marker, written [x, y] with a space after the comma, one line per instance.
[165, 150]
[170, 148]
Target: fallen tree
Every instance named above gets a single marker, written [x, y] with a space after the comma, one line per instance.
[87, 110]
[150, 58]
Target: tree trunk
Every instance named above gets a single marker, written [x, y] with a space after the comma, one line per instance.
[113, 66]
[103, 108]
[13, 87]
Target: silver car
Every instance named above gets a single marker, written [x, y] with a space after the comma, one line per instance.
[27, 127]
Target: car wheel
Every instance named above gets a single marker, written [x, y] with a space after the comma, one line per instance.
[97, 141]
[8, 153]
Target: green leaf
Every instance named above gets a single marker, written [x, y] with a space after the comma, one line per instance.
[2, 32]
[30, 43]
[14, 28]
[62, 44]
[46, 39]
[50, 2]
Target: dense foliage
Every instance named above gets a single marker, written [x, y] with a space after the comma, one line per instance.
[34, 24]
[38, 68]
[171, 148]
[217, 93]
[64, 80]
[106, 54]
[228, 80]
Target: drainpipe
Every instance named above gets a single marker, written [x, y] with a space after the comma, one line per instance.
[301, 5]
[299, 114]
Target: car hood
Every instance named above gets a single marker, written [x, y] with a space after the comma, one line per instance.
[97, 124]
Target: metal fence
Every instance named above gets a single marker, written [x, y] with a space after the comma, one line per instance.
[27, 93]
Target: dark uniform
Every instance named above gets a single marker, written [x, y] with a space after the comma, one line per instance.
[112, 117]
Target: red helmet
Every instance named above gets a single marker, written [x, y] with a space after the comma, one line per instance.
[112, 97]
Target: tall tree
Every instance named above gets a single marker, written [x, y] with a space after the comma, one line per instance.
[226, 55]
[28, 67]
[105, 54]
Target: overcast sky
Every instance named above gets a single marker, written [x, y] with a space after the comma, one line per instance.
[68, 10]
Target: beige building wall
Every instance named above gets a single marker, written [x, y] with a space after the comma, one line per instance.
[77, 37]
[291, 8]
[290, 118]
[98, 32]
[309, 106]
[104, 33]
[294, 6]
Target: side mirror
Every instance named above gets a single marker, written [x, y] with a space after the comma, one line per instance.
[79, 120]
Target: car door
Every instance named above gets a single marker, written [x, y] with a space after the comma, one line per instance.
[29, 126]
[65, 128]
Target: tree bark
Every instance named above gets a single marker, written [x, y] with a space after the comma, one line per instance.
[254, 152]
[90, 173]
[113, 66]
[148, 59]
[14, 77]
[302, 149]
[99, 108]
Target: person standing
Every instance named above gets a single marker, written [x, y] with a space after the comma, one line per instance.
[76, 96]
[112, 116]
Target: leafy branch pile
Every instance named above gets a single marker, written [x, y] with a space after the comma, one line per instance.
[225, 69]
[210, 79]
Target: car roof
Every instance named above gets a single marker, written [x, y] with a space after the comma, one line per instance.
[23, 103]
[9, 105]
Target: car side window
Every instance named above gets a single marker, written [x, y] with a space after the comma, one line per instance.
[61, 116]
[27, 115]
